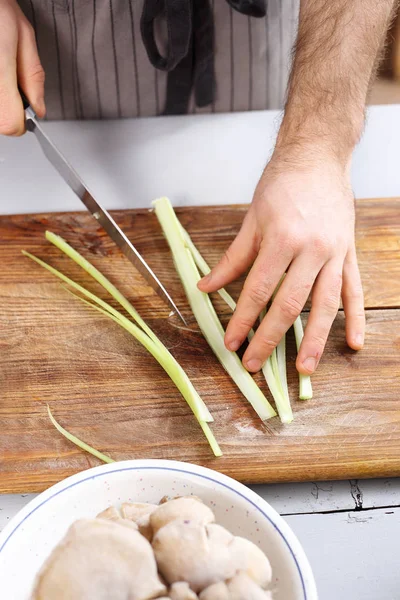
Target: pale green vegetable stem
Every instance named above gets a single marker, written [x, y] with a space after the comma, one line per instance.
[306, 392]
[151, 343]
[72, 438]
[203, 310]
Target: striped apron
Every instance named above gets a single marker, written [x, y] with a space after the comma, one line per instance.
[98, 65]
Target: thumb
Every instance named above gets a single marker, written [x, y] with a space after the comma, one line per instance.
[239, 256]
[29, 68]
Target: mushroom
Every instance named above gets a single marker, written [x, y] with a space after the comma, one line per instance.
[186, 507]
[99, 558]
[145, 528]
[249, 558]
[180, 590]
[188, 551]
[243, 587]
[216, 591]
[240, 587]
[139, 513]
[137, 510]
[110, 513]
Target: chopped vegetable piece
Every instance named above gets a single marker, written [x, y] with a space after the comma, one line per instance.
[269, 373]
[152, 344]
[277, 388]
[72, 438]
[203, 310]
[306, 392]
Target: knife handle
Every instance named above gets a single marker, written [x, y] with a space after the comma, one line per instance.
[24, 99]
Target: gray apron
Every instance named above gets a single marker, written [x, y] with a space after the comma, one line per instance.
[98, 66]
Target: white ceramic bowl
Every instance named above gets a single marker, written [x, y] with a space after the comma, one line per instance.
[37, 528]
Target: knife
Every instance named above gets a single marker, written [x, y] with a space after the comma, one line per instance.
[58, 161]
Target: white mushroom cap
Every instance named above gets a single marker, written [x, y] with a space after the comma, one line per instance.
[110, 514]
[216, 591]
[188, 551]
[136, 510]
[242, 587]
[249, 558]
[145, 527]
[180, 590]
[100, 559]
[183, 508]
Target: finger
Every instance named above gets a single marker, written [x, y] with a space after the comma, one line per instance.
[353, 302]
[239, 256]
[29, 68]
[285, 308]
[257, 291]
[325, 305]
[12, 120]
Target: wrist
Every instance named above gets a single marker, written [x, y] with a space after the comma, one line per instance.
[308, 137]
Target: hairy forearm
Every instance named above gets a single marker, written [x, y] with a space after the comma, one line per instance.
[335, 59]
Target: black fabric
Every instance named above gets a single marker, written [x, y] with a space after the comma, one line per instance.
[252, 8]
[178, 17]
[190, 47]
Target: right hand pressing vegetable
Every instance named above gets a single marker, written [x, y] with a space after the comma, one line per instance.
[19, 65]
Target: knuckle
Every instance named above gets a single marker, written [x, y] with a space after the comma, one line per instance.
[331, 303]
[356, 294]
[267, 344]
[289, 241]
[317, 341]
[36, 73]
[321, 245]
[290, 307]
[11, 127]
[242, 323]
[259, 294]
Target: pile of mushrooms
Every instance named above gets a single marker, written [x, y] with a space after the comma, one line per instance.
[170, 551]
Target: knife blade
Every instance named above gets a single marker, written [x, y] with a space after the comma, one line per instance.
[73, 180]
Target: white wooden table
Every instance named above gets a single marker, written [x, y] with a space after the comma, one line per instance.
[350, 530]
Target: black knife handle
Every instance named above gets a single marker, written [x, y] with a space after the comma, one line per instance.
[25, 100]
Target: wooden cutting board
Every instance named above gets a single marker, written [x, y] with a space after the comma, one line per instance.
[104, 387]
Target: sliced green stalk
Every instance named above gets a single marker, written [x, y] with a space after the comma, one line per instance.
[281, 364]
[72, 438]
[278, 388]
[305, 386]
[204, 312]
[199, 409]
[164, 357]
[205, 269]
[211, 438]
[157, 349]
[74, 255]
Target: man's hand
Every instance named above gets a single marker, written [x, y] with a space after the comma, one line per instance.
[301, 222]
[19, 65]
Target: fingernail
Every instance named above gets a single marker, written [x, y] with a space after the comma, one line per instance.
[310, 363]
[234, 345]
[253, 364]
[206, 279]
[359, 339]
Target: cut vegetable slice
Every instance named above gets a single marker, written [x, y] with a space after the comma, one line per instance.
[203, 310]
[72, 438]
[152, 344]
[277, 388]
[305, 380]
[305, 386]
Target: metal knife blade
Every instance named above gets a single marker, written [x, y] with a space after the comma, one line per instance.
[103, 217]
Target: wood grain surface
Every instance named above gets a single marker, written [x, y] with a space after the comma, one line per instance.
[104, 387]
